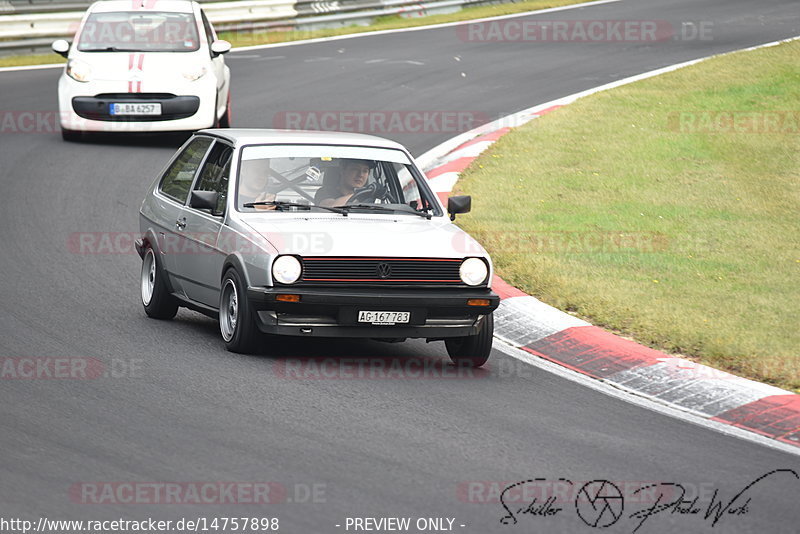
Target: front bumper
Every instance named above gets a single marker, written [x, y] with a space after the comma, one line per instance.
[99, 107]
[322, 312]
[85, 107]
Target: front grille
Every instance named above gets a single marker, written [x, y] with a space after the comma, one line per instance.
[381, 271]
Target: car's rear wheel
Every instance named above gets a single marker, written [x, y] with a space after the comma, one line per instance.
[472, 351]
[157, 301]
[237, 322]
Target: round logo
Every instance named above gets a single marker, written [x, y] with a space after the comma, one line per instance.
[384, 270]
[599, 503]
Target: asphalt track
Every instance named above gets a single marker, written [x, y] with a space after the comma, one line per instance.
[194, 412]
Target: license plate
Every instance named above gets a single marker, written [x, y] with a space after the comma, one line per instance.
[383, 317]
[135, 109]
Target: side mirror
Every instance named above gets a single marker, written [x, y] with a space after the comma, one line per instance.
[60, 47]
[458, 204]
[220, 47]
[204, 200]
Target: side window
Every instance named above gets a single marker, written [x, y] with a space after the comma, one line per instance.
[407, 184]
[215, 172]
[178, 179]
[210, 35]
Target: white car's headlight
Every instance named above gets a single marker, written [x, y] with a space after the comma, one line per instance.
[473, 271]
[286, 269]
[194, 74]
[78, 70]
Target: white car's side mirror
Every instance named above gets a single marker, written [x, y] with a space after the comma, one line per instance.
[61, 47]
[220, 47]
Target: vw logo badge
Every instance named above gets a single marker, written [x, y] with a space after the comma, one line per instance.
[384, 270]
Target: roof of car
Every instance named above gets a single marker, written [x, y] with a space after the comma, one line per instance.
[257, 136]
[177, 6]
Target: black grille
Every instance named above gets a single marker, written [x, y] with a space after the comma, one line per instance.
[381, 271]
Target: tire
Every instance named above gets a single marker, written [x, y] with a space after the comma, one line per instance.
[157, 301]
[472, 351]
[225, 120]
[71, 135]
[237, 322]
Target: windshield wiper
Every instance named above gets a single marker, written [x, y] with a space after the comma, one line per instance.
[281, 204]
[114, 49]
[377, 207]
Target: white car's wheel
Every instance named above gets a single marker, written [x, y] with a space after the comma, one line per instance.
[225, 120]
[71, 135]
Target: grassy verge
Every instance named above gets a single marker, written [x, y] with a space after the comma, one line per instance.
[649, 211]
[388, 22]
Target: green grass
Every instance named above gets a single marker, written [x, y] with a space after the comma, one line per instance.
[387, 22]
[708, 262]
[32, 59]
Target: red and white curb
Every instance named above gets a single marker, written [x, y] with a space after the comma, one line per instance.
[545, 332]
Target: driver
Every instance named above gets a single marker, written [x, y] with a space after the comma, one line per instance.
[354, 174]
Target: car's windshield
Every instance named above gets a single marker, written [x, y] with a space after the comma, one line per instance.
[132, 31]
[378, 180]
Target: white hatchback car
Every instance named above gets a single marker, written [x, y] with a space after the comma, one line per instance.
[143, 67]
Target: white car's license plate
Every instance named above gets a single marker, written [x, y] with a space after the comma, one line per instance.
[136, 109]
[383, 317]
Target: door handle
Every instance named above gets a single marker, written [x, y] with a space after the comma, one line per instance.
[181, 223]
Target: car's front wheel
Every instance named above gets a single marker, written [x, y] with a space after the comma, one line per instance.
[225, 120]
[472, 351]
[237, 322]
[157, 301]
[71, 135]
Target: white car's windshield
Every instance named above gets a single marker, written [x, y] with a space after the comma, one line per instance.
[331, 177]
[131, 31]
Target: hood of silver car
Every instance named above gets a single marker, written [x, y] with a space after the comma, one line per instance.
[406, 236]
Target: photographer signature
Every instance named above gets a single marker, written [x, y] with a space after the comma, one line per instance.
[600, 503]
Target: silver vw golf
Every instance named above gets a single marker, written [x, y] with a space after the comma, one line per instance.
[312, 234]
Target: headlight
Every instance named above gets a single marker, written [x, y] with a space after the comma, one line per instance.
[286, 269]
[78, 70]
[194, 74]
[473, 271]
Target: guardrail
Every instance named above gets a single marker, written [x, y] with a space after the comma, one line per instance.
[9, 7]
[33, 32]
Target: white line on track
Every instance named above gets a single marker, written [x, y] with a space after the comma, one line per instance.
[636, 398]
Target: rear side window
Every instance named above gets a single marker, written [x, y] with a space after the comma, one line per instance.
[215, 172]
[178, 179]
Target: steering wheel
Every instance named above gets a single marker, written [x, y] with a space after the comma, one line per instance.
[368, 194]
